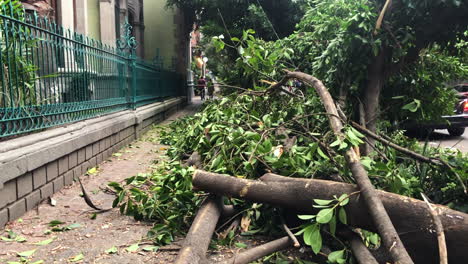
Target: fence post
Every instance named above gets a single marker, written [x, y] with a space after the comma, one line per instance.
[133, 81]
[128, 43]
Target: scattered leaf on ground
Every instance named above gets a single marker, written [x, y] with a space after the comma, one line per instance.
[77, 258]
[26, 254]
[92, 171]
[112, 250]
[151, 248]
[45, 242]
[241, 245]
[55, 223]
[133, 248]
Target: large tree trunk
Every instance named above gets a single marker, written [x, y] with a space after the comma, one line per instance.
[375, 82]
[410, 217]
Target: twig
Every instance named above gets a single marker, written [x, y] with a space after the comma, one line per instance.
[440, 231]
[401, 149]
[288, 231]
[88, 200]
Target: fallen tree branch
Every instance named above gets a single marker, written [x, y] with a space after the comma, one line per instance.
[440, 231]
[260, 251]
[198, 239]
[88, 200]
[391, 240]
[410, 216]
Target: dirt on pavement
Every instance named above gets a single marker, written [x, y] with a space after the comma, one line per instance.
[84, 239]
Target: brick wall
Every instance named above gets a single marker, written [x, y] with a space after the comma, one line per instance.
[27, 190]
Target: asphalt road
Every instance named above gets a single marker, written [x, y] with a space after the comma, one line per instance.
[442, 138]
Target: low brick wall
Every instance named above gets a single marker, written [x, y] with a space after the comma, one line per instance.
[34, 167]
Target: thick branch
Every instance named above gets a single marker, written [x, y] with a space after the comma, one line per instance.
[385, 228]
[260, 251]
[199, 236]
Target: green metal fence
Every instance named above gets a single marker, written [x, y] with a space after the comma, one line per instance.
[51, 76]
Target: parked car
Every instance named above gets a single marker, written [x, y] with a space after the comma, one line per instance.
[459, 120]
[455, 123]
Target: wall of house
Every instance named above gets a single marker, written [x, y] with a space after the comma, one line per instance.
[38, 165]
[94, 30]
[159, 31]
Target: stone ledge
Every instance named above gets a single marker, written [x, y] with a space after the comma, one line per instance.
[21, 155]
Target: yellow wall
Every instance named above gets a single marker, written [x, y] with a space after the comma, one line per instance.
[94, 30]
[159, 31]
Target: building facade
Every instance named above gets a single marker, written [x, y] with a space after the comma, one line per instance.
[158, 30]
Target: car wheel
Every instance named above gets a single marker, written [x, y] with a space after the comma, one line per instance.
[456, 131]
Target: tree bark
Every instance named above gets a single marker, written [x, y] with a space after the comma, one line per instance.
[375, 82]
[260, 251]
[199, 236]
[390, 238]
[411, 217]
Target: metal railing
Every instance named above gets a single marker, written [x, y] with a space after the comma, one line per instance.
[52, 76]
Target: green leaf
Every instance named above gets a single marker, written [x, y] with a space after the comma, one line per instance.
[72, 226]
[334, 256]
[45, 242]
[413, 106]
[112, 250]
[26, 254]
[313, 238]
[93, 216]
[344, 199]
[325, 215]
[20, 239]
[342, 216]
[151, 248]
[332, 226]
[77, 258]
[306, 217]
[133, 248]
[6, 239]
[240, 245]
[320, 152]
[92, 171]
[323, 202]
[55, 223]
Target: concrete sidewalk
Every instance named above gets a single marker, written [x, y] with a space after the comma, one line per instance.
[90, 238]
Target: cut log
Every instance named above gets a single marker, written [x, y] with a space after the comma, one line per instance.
[260, 251]
[410, 217]
[199, 236]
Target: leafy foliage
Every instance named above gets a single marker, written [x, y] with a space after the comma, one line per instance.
[247, 135]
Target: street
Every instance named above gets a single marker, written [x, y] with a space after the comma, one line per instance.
[442, 138]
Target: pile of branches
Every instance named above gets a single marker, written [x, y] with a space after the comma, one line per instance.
[304, 137]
